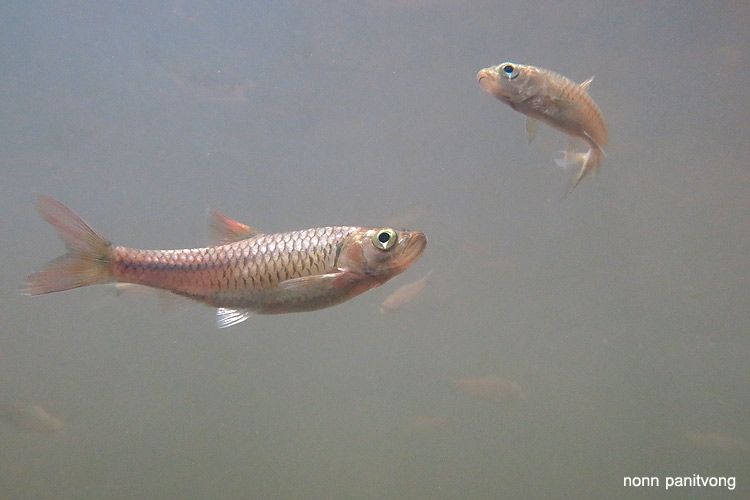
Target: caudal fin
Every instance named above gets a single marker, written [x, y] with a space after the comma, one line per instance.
[88, 261]
[588, 161]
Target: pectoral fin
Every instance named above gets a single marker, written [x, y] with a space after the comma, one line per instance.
[310, 283]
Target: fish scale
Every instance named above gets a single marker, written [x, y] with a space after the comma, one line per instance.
[559, 85]
[244, 265]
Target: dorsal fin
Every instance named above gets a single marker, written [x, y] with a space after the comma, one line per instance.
[585, 85]
[225, 230]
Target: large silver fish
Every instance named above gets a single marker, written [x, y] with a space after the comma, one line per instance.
[543, 95]
[249, 272]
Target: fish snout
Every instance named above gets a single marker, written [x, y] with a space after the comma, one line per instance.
[487, 79]
[419, 242]
[414, 245]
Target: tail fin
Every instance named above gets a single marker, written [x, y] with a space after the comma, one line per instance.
[588, 161]
[89, 257]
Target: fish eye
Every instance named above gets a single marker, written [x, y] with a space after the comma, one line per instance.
[509, 70]
[385, 239]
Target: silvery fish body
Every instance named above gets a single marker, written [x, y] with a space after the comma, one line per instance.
[248, 272]
[544, 95]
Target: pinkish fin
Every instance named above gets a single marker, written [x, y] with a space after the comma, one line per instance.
[88, 261]
[230, 317]
[585, 85]
[225, 230]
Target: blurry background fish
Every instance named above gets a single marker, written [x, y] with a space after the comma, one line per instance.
[494, 389]
[202, 84]
[717, 441]
[30, 418]
[404, 295]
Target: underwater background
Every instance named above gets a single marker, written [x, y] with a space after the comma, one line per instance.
[620, 312]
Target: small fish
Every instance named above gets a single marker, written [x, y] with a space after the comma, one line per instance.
[248, 272]
[30, 418]
[204, 88]
[423, 424]
[718, 441]
[403, 295]
[492, 389]
[559, 102]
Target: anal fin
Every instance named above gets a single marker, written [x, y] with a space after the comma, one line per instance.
[229, 317]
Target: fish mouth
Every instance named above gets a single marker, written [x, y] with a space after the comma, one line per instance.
[413, 248]
[417, 244]
[487, 79]
[486, 73]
